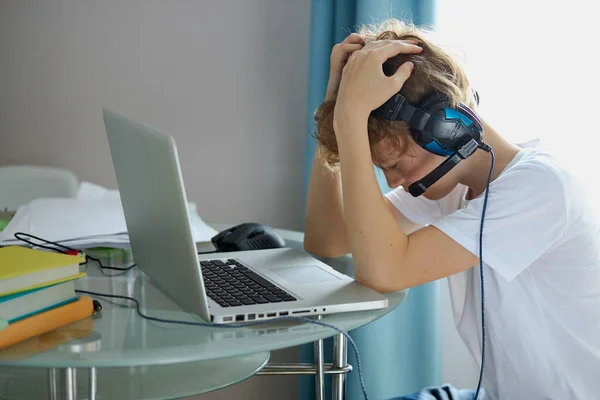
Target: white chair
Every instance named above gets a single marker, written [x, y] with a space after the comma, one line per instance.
[19, 184]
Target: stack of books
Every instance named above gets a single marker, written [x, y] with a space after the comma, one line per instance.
[37, 293]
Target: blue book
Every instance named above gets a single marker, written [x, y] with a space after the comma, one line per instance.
[21, 305]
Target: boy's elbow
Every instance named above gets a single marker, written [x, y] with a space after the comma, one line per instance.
[381, 287]
[381, 281]
[322, 251]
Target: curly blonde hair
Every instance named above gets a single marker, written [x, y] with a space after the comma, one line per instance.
[435, 70]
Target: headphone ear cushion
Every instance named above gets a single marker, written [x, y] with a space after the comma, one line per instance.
[477, 126]
[468, 112]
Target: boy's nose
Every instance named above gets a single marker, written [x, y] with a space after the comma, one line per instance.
[394, 180]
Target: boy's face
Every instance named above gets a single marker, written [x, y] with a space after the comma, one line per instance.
[404, 169]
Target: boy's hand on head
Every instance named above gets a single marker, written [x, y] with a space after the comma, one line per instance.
[364, 86]
[337, 60]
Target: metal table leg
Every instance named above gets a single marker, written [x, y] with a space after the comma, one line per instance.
[320, 375]
[62, 384]
[93, 384]
[338, 369]
[53, 383]
[340, 356]
[70, 380]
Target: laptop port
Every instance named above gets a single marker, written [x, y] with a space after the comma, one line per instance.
[283, 313]
[301, 312]
[228, 319]
[239, 317]
[271, 314]
[251, 317]
[261, 315]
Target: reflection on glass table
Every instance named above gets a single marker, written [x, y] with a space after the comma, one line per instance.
[130, 383]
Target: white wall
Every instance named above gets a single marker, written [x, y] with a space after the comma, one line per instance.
[226, 78]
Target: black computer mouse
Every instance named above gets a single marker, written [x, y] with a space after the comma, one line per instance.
[247, 236]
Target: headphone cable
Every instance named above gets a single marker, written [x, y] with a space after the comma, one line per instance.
[485, 147]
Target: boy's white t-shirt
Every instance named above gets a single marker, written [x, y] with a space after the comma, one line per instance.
[541, 258]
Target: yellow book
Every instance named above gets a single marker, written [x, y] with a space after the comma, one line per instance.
[22, 268]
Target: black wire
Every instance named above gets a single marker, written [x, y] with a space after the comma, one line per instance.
[488, 149]
[61, 248]
[19, 234]
[109, 267]
[247, 324]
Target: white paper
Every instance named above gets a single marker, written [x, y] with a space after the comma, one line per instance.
[58, 219]
[92, 219]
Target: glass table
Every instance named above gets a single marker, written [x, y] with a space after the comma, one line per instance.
[117, 354]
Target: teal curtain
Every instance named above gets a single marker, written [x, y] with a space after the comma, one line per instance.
[400, 353]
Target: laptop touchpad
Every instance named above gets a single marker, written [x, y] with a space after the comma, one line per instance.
[305, 274]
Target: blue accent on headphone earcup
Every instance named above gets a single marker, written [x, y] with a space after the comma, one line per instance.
[455, 114]
[434, 147]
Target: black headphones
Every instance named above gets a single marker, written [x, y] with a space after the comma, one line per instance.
[437, 127]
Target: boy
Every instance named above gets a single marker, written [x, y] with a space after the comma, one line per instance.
[540, 255]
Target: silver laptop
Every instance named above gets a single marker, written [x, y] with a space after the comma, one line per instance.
[221, 287]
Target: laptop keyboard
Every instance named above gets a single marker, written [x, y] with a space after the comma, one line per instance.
[231, 284]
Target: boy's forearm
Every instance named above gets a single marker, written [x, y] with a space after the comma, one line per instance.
[325, 228]
[377, 242]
